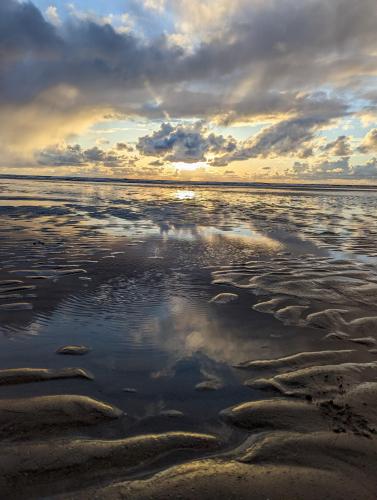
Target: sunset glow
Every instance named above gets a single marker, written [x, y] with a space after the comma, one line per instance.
[229, 90]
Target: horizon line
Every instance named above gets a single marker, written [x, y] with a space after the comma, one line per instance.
[172, 182]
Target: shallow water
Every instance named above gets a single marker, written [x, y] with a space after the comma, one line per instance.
[140, 299]
[130, 271]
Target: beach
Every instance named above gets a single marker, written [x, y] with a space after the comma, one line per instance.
[187, 341]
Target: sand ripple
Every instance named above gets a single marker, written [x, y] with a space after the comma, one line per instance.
[337, 295]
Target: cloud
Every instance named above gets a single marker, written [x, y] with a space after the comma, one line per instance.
[285, 138]
[75, 156]
[184, 143]
[82, 53]
[157, 5]
[23, 30]
[332, 170]
[293, 137]
[367, 171]
[369, 144]
[156, 163]
[122, 146]
[220, 60]
[265, 49]
[52, 15]
[322, 170]
[25, 128]
[340, 147]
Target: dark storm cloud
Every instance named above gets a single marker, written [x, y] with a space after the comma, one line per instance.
[92, 57]
[277, 41]
[23, 30]
[186, 143]
[25, 39]
[284, 45]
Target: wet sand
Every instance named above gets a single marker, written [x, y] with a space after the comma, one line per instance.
[166, 342]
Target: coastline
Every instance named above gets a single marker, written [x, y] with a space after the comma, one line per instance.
[199, 184]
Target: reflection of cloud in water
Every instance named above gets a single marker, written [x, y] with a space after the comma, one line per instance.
[189, 328]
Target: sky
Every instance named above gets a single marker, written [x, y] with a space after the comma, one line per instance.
[225, 90]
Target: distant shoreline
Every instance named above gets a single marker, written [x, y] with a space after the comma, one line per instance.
[160, 182]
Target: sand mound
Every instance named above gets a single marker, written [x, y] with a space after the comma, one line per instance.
[292, 315]
[231, 480]
[367, 341]
[319, 381]
[78, 459]
[275, 414]
[73, 350]
[224, 298]
[362, 401]
[299, 360]
[30, 414]
[25, 375]
[16, 306]
[337, 336]
[319, 450]
[209, 385]
[270, 306]
[352, 413]
[308, 453]
[328, 318]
